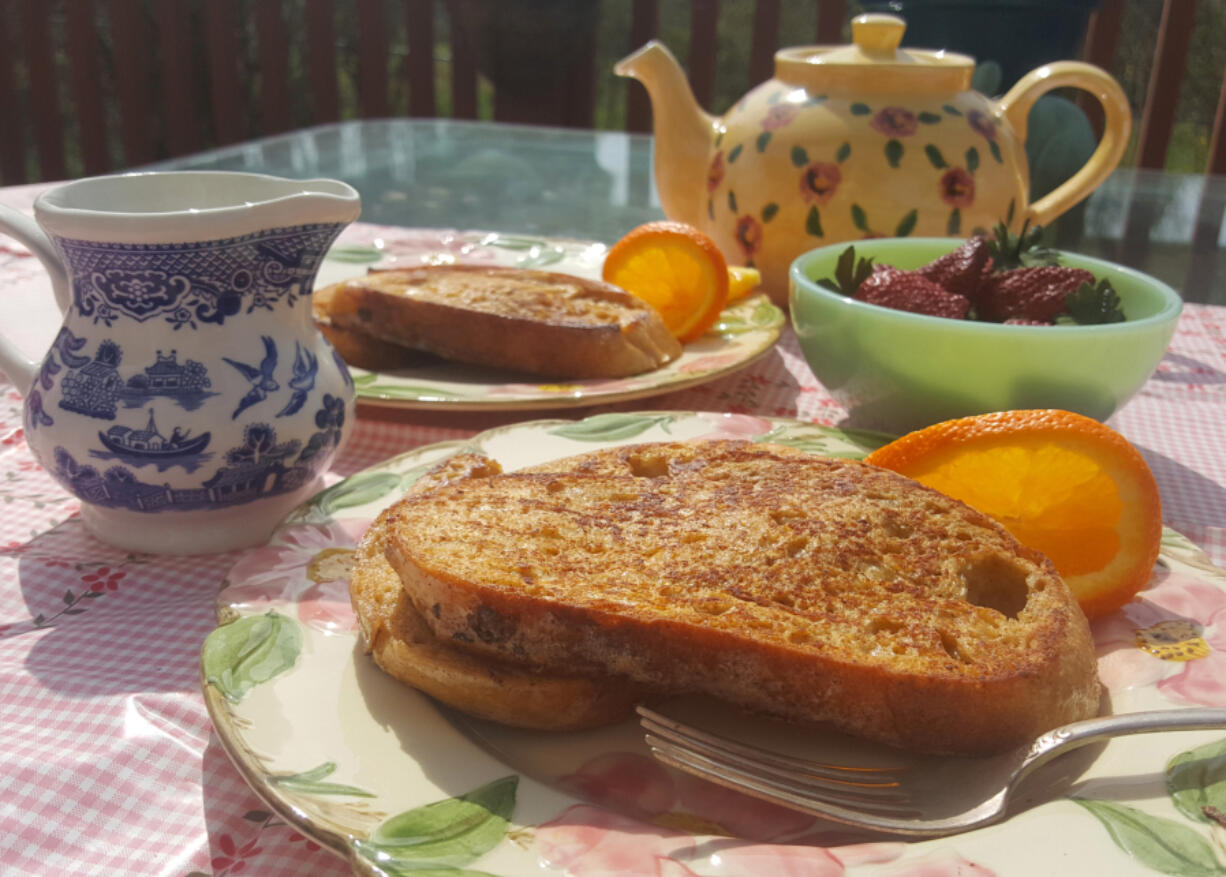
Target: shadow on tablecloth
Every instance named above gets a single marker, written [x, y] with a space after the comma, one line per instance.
[111, 623]
[1189, 499]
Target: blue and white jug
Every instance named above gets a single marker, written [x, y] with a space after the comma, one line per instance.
[188, 399]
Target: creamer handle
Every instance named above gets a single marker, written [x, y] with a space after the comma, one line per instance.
[21, 370]
[1015, 107]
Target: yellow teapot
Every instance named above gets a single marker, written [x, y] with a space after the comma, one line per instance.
[859, 141]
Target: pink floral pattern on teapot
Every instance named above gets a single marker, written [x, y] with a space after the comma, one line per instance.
[818, 180]
[857, 142]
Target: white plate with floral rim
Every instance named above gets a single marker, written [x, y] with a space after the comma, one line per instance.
[745, 331]
[387, 779]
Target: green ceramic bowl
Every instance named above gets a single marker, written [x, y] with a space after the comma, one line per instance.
[899, 371]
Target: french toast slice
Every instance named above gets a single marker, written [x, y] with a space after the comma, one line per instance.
[806, 588]
[356, 347]
[403, 646]
[536, 322]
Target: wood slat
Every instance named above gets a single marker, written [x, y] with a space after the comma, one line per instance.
[831, 15]
[1102, 43]
[419, 65]
[227, 98]
[44, 106]
[766, 18]
[325, 99]
[322, 69]
[179, 57]
[271, 33]
[1103, 33]
[644, 26]
[541, 65]
[131, 42]
[579, 91]
[88, 94]
[1162, 99]
[463, 64]
[704, 49]
[1217, 142]
[372, 46]
[12, 144]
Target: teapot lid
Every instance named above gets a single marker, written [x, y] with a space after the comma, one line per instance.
[874, 62]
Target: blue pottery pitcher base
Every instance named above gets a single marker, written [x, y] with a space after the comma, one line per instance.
[206, 531]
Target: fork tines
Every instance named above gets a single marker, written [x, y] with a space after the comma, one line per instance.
[772, 774]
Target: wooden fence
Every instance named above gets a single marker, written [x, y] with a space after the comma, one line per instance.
[90, 86]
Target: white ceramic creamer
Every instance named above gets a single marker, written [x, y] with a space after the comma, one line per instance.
[188, 399]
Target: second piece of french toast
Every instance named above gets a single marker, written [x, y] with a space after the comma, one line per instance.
[535, 322]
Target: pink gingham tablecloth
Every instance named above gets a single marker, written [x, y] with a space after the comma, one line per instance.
[108, 763]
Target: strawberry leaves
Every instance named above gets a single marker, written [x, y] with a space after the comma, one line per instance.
[1093, 304]
[1021, 250]
[849, 273]
[1004, 279]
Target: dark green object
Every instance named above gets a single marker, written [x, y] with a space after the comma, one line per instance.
[1093, 305]
[1019, 35]
[849, 273]
[1059, 141]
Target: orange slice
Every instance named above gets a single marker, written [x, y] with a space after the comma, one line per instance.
[676, 269]
[1062, 483]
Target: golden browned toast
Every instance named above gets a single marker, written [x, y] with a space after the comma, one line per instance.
[401, 643]
[807, 588]
[357, 347]
[536, 322]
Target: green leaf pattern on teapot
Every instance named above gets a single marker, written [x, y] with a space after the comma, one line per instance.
[858, 141]
[905, 139]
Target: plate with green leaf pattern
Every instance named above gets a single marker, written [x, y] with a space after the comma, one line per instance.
[384, 777]
[747, 329]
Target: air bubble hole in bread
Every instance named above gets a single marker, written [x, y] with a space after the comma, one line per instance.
[995, 583]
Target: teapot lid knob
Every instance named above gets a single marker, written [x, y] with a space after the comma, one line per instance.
[877, 33]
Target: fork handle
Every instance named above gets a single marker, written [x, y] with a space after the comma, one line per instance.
[1073, 736]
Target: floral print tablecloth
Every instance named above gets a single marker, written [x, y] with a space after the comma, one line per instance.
[109, 764]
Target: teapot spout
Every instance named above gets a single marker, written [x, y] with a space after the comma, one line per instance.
[683, 130]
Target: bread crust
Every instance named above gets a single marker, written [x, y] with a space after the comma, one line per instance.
[360, 348]
[402, 645]
[536, 322]
[810, 589]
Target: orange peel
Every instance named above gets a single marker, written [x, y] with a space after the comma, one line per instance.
[1062, 483]
[676, 269]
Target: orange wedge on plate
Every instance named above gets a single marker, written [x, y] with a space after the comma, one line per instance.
[676, 269]
[1062, 483]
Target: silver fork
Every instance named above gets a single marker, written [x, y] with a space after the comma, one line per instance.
[927, 797]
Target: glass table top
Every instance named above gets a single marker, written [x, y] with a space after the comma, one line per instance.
[439, 173]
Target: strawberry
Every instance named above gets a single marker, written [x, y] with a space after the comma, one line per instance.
[911, 291]
[1036, 294]
[962, 271]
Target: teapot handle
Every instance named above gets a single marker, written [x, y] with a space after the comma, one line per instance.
[21, 370]
[1015, 107]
